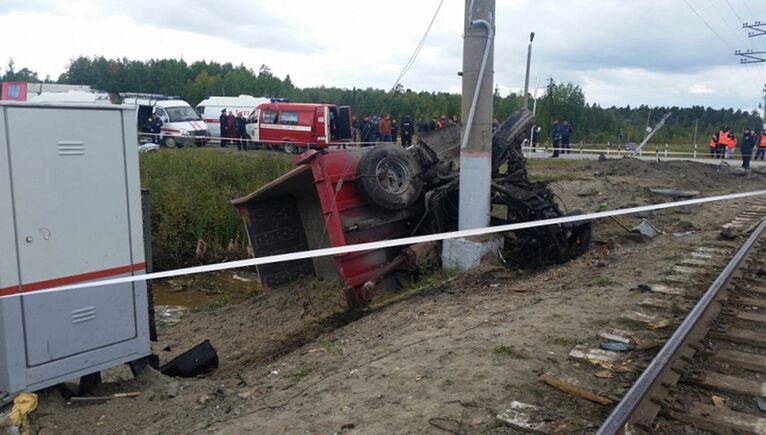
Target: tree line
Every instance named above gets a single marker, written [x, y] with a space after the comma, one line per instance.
[193, 81]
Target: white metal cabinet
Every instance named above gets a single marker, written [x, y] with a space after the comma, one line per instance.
[75, 212]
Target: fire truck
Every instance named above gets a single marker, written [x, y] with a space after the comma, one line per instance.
[297, 127]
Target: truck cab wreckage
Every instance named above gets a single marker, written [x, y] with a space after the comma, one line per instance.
[350, 196]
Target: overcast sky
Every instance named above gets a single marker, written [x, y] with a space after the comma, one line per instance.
[655, 52]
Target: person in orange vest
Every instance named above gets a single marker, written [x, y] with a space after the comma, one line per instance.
[726, 141]
[713, 146]
[731, 145]
[761, 146]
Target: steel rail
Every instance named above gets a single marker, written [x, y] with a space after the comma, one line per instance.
[640, 393]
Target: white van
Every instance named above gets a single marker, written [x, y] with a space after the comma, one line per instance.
[71, 97]
[181, 125]
[210, 109]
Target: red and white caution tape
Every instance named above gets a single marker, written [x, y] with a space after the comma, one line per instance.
[392, 243]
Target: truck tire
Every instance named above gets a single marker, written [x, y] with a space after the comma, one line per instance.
[388, 177]
[289, 147]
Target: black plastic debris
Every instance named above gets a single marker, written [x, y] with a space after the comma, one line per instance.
[198, 360]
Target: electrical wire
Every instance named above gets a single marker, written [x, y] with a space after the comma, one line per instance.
[708, 25]
[735, 12]
[419, 47]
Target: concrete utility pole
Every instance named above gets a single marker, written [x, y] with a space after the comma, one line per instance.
[476, 152]
[476, 136]
[526, 78]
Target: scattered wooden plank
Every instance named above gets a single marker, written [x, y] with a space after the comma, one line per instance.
[595, 356]
[743, 360]
[730, 384]
[638, 317]
[687, 270]
[531, 419]
[751, 317]
[87, 399]
[749, 302]
[703, 255]
[742, 336]
[719, 420]
[672, 291]
[664, 303]
[707, 249]
[574, 390]
[618, 335]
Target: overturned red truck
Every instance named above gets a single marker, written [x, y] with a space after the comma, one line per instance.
[350, 196]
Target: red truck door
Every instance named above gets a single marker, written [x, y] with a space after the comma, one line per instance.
[320, 126]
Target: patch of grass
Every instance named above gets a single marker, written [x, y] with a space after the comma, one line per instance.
[220, 302]
[561, 341]
[605, 281]
[301, 372]
[190, 190]
[507, 351]
[327, 344]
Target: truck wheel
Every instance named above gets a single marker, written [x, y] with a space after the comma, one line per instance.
[388, 177]
[289, 148]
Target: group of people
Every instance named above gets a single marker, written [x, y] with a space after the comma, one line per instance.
[233, 129]
[723, 144]
[561, 133]
[375, 129]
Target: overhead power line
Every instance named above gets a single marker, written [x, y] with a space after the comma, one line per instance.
[733, 10]
[708, 25]
[419, 47]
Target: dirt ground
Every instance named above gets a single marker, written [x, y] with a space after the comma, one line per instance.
[449, 355]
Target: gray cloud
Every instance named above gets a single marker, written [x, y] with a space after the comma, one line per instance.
[238, 21]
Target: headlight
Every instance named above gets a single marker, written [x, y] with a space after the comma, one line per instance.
[184, 132]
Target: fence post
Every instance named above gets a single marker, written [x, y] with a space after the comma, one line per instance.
[580, 150]
[657, 152]
[608, 147]
[619, 150]
[695, 150]
[666, 150]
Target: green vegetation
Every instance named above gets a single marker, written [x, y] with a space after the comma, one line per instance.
[327, 344]
[593, 124]
[509, 352]
[301, 373]
[605, 282]
[192, 220]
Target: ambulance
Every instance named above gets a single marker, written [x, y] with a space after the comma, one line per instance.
[296, 127]
[210, 109]
[181, 125]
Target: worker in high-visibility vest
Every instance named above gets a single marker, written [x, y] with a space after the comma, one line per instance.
[731, 145]
[761, 147]
[713, 146]
[724, 137]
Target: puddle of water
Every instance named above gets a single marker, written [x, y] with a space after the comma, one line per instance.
[208, 289]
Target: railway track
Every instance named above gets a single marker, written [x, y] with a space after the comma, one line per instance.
[710, 376]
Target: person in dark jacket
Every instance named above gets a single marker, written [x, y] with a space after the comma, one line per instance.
[556, 139]
[422, 125]
[432, 124]
[364, 128]
[241, 132]
[231, 127]
[155, 127]
[407, 130]
[222, 121]
[374, 129]
[746, 146]
[566, 133]
[394, 130]
[354, 129]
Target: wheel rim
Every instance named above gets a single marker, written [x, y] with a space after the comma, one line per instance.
[289, 148]
[393, 175]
